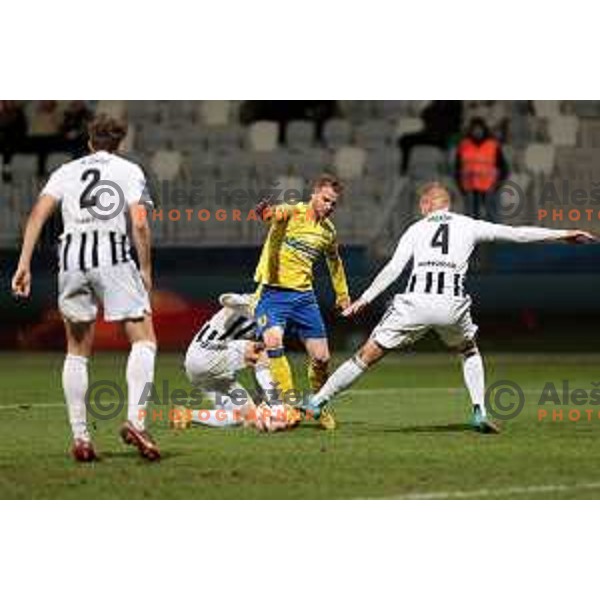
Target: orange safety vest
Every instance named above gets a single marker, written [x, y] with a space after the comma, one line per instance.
[478, 170]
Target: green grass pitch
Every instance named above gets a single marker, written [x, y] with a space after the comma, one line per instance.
[401, 435]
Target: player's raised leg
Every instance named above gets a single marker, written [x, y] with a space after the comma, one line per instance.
[80, 338]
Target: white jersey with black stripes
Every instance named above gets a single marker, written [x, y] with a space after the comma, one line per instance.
[441, 245]
[95, 193]
[217, 352]
[226, 325]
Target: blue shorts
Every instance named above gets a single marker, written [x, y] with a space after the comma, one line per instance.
[295, 312]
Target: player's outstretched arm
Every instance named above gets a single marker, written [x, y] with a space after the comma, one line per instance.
[492, 232]
[387, 275]
[140, 230]
[338, 277]
[44, 207]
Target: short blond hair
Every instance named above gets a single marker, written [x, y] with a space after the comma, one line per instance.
[438, 193]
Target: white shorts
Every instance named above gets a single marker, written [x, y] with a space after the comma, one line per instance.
[119, 289]
[411, 316]
[214, 365]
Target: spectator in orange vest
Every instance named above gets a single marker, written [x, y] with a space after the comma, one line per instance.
[480, 166]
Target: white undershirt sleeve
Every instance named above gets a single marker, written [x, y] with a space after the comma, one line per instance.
[492, 232]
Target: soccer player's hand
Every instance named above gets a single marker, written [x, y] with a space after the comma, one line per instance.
[343, 304]
[21, 282]
[147, 279]
[262, 206]
[355, 308]
[577, 236]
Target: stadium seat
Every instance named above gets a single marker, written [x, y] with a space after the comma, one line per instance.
[408, 125]
[349, 162]
[373, 134]
[300, 134]
[202, 165]
[587, 108]
[140, 111]
[289, 188]
[152, 138]
[578, 163]
[166, 164]
[427, 162]
[356, 111]
[538, 130]
[337, 133]
[383, 163]
[310, 163]
[539, 158]
[224, 139]
[263, 136]
[214, 113]
[563, 130]
[590, 133]
[192, 140]
[234, 166]
[265, 166]
[392, 110]
[546, 108]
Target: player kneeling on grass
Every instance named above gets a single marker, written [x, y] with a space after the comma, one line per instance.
[440, 245]
[95, 268]
[222, 348]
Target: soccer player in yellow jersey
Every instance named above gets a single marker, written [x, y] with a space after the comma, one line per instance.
[299, 235]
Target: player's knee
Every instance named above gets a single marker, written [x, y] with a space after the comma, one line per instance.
[320, 362]
[369, 354]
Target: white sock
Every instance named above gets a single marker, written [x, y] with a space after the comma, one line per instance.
[140, 373]
[341, 379]
[75, 384]
[218, 417]
[475, 380]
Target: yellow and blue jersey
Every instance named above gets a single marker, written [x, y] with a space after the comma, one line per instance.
[296, 240]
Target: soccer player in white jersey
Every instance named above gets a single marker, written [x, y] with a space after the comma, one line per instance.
[95, 194]
[440, 245]
[224, 346]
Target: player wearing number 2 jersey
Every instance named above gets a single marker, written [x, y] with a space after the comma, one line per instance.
[95, 194]
[440, 245]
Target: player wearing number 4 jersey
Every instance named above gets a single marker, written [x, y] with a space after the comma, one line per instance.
[440, 245]
[95, 194]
